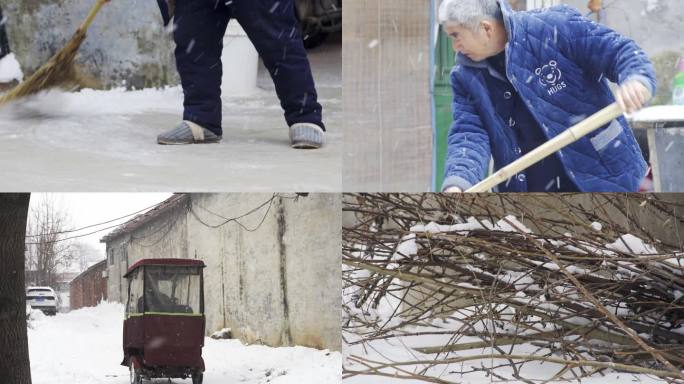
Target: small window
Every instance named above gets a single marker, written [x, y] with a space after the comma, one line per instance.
[173, 290]
[135, 291]
[110, 257]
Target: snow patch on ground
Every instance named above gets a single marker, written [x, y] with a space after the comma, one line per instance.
[84, 347]
[402, 349]
[55, 103]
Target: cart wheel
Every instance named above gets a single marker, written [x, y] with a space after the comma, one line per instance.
[135, 374]
[197, 378]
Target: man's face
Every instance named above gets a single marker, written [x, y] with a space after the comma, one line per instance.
[477, 45]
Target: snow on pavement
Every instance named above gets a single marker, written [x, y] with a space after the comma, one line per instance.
[105, 140]
[84, 347]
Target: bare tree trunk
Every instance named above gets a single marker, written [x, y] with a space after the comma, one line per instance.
[14, 356]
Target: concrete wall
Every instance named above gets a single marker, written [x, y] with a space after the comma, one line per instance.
[385, 70]
[274, 281]
[278, 284]
[89, 288]
[165, 236]
[312, 240]
[126, 45]
[117, 264]
[656, 25]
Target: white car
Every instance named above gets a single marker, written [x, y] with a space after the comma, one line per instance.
[43, 298]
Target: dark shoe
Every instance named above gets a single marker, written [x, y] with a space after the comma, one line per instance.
[188, 132]
[306, 136]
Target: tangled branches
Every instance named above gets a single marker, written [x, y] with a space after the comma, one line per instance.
[587, 282]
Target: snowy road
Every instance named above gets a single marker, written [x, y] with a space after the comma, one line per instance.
[84, 347]
[106, 140]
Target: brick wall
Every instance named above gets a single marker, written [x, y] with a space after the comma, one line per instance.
[90, 287]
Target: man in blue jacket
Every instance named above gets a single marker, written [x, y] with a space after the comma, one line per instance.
[521, 78]
[273, 28]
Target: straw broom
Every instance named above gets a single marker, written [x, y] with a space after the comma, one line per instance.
[59, 69]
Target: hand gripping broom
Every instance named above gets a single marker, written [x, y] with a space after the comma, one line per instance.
[567, 137]
[59, 69]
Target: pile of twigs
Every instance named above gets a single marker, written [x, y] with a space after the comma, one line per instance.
[556, 274]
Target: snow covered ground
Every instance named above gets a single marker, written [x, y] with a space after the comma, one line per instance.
[106, 140]
[84, 347]
[400, 349]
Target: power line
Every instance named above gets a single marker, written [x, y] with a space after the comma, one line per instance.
[169, 227]
[94, 225]
[237, 218]
[227, 220]
[89, 226]
[75, 237]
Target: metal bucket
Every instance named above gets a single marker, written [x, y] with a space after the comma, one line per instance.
[664, 127]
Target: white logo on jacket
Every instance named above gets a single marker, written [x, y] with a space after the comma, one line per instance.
[550, 77]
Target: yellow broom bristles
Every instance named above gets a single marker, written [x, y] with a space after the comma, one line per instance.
[59, 70]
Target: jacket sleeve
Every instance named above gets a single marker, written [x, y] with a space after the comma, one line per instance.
[468, 150]
[601, 50]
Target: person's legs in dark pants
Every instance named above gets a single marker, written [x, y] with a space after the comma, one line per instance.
[4, 41]
[7, 80]
[199, 29]
[273, 28]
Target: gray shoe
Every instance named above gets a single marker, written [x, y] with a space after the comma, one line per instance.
[188, 132]
[306, 136]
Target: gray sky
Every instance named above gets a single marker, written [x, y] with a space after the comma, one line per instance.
[91, 208]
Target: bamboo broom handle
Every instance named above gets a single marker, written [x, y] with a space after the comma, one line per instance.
[559, 142]
[91, 16]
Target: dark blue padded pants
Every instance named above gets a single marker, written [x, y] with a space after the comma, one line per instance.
[4, 41]
[272, 27]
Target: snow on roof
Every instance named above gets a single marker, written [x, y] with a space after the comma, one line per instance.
[39, 288]
[131, 225]
[87, 271]
[166, 262]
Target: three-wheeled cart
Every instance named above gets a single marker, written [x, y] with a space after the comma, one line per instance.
[163, 332]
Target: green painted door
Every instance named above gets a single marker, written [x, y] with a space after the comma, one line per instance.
[444, 62]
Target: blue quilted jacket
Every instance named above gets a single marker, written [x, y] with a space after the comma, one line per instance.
[559, 63]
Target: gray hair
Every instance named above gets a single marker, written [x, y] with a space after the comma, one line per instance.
[469, 13]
